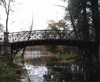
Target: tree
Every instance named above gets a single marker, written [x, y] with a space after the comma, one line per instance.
[96, 18]
[96, 24]
[31, 27]
[1, 28]
[7, 5]
[55, 26]
[60, 25]
[84, 17]
[80, 16]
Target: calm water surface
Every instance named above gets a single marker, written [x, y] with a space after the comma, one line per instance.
[39, 69]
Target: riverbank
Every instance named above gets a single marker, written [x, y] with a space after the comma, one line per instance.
[9, 72]
[65, 59]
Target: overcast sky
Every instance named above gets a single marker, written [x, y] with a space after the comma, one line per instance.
[41, 10]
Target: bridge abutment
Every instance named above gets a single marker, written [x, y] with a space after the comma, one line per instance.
[6, 37]
[5, 47]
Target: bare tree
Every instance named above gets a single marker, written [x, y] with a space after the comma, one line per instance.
[7, 5]
[1, 28]
[31, 27]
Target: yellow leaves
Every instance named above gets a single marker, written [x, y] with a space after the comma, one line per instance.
[59, 25]
[53, 25]
[51, 20]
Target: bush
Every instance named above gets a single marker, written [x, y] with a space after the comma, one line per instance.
[8, 71]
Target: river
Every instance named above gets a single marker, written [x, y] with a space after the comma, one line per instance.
[40, 69]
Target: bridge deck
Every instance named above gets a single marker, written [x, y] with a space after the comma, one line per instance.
[51, 42]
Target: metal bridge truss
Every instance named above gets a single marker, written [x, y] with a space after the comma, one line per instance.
[47, 35]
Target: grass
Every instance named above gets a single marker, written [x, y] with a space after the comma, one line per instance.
[66, 56]
[71, 58]
[18, 57]
[8, 72]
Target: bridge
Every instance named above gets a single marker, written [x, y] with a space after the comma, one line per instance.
[48, 37]
[19, 40]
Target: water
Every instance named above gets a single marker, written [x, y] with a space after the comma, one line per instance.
[40, 69]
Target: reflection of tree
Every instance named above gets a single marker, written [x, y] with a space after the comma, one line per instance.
[58, 75]
[72, 73]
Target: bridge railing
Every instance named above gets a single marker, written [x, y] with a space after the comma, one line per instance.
[41, 35]
[46, 35]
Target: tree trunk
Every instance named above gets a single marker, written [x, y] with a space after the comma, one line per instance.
[96, 23]
[85, 21]
[7, 22]
[95, 16]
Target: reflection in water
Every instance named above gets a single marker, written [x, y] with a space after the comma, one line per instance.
[38, 70]
[35, 73]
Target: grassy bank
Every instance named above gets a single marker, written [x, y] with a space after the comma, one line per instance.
[17, 57]
[64, 59]
[66, 56]
[9, 72]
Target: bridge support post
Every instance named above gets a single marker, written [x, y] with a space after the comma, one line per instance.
[6, 37]
[5, 47]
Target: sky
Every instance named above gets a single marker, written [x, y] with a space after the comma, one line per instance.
[41, 11]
